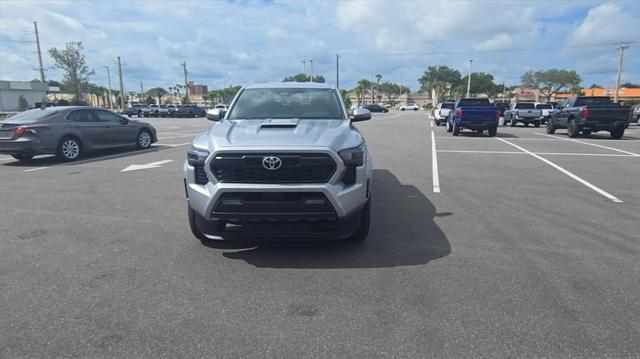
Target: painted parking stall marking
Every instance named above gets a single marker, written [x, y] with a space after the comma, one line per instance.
[434, 161]
[575, 177]
[589, 143]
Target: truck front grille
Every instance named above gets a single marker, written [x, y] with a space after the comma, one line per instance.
[295, 168]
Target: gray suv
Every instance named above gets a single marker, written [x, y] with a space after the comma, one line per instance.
[283, 163]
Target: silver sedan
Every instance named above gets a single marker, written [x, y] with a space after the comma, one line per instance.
[70, 131]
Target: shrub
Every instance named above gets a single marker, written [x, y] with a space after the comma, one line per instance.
[22, 103]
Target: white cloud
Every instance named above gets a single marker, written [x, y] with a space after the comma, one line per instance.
[497, 42]
[606, 23]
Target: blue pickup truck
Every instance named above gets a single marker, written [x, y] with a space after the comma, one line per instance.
[477, 114]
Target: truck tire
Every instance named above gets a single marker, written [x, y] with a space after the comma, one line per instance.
[536, 123]
[448, 125]
[617, 133]
[572, 129]
[456, 129]
[550, 128]
[492, 131]
[513, 122]
[365, 220]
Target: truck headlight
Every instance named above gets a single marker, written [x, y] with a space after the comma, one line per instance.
[196, 156]
[353, 156]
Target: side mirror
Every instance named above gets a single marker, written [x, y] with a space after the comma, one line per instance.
[124, 120]
[360, 114]
[215, 114]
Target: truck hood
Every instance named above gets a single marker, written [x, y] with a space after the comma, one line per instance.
[337, 134]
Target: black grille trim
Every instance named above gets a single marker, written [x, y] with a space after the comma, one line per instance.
[296, 168]
[200, 174]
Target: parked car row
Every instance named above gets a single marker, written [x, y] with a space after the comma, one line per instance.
[165, 111]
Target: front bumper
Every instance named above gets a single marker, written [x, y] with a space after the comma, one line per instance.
[339, 219]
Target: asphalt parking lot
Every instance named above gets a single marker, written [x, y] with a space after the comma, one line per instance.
[523, 245]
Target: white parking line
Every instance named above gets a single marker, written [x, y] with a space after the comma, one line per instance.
[575, 177]
[588, 143]
[187, 135]
[538, 153]
[434, 163]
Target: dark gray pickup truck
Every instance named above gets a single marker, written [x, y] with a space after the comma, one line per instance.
[589, 114]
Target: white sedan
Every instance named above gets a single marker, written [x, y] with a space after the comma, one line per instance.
[409, 106]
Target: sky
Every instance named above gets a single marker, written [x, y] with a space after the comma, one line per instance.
[241, 42]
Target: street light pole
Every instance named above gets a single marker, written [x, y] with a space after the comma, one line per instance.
[109, 82]
[311, 63]
[623, 46]
[469, 79]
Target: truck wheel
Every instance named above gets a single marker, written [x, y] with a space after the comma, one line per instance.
[617, 133]
[536, 123]
[513, 122]
[550, 128]
[194, 226]
[492, 131]
[456, 129]
[365, 220]
[572, 129]
[448, 124]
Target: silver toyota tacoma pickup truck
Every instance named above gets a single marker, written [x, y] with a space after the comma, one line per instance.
[283, 163]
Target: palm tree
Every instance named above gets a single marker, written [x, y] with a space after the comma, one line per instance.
[363, 86]
[378, 77]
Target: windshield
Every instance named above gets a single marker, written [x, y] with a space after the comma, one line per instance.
[449, 105]
[30, 116]
[303, 103]
[525, 106]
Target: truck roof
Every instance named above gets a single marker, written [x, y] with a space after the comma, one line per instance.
[288, 85]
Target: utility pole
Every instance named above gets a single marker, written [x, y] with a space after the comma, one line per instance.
[311, 78]
[35, 26]
[109, 82]
[141, 90]
[469, 79]
[121, 84]
[186, 85]
[504, 94]
[304, 66]
[338, 71]
[623, 46]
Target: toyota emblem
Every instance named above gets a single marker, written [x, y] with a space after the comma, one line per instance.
[271, 163]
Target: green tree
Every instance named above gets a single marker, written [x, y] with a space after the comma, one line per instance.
[481, 83]
[595, 86]
[630, 85]
[549, 82]
[345, 98]
[362, 87]
[439, 78]
[157, 92]
[304, 78]
[76, 72]
[576, 90]
[22, 103]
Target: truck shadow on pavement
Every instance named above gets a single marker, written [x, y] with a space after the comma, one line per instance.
[402, 233]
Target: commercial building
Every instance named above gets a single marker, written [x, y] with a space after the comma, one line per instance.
[624, 93]
[197, 89]
[10, 92]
